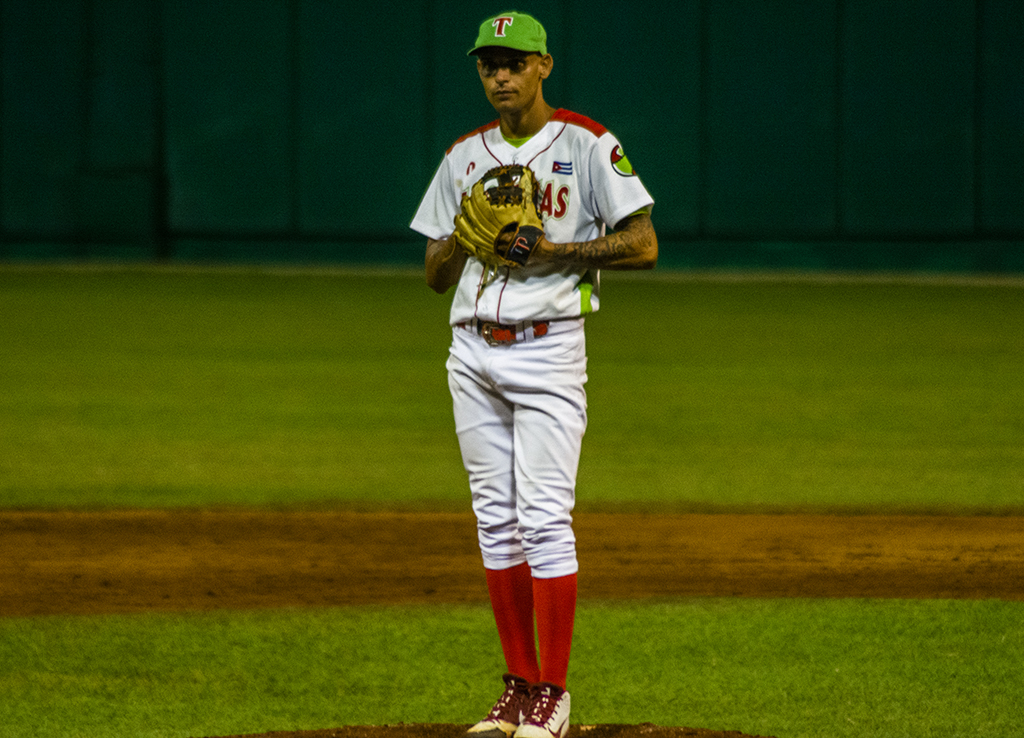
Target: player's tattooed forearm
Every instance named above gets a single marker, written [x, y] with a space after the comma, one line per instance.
[625, 248]
[593, 253]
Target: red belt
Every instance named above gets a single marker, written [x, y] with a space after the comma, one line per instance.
[505, 333]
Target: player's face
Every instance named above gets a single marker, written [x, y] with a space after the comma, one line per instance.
[512, 79]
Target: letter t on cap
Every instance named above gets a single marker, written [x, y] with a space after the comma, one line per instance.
[499, 25]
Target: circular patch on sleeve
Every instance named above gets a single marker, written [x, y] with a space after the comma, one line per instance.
[621, 164]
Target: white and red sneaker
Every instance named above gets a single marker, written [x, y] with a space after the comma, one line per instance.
[507, 713]
[548, 716]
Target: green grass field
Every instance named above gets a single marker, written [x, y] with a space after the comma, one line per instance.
[129, 387]
[788, 668]
[171, 388]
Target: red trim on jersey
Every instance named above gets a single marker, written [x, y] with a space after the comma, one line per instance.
[562, 115]
[483, 140]
[497, 309]
[557, 136]
[480, 130]
[580, 120]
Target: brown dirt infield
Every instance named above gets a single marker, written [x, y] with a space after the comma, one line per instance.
[143, 561]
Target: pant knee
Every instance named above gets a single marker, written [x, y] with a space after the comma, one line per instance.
[501, 545]
[551, 550]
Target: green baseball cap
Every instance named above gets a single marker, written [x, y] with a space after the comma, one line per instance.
[513, 31]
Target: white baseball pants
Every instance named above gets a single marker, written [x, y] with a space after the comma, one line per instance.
[520, 415]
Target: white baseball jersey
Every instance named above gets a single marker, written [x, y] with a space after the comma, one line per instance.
[585, 181]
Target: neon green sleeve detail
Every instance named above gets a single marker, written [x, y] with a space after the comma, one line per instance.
[586, 288]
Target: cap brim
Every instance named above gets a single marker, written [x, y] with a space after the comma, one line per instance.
[476, 49]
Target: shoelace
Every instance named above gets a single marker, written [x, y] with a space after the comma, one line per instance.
[542, 709]
[505, 703]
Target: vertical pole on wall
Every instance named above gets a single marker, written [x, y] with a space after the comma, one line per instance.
[163, 248]
[294, 117]
[564, 26]
[86, 80]
[987, 258]
[427, 151]
[3, 236]
[702, 120]
[840, 134]
[977, 120]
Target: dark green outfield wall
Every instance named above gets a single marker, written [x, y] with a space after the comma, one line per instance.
[853, 134]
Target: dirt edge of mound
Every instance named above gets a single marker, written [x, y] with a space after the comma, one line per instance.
[432, 730]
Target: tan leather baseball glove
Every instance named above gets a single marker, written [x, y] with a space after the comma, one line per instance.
[500, 223]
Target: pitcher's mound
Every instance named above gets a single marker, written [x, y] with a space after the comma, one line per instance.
[643, 730]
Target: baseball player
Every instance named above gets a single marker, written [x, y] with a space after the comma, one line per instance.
[517, 363]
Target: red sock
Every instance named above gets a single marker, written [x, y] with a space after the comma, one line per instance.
[555, 602]
[511, 592]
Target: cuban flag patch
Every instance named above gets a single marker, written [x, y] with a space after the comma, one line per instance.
[561, 167]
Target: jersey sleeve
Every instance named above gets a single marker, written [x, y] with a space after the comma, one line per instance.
[618, 191]
[440, 204]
